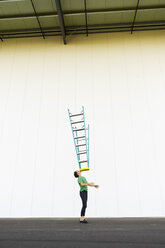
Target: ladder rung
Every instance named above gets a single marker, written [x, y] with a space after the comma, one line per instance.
[81, 145]
[79, 140]
[83, 161]
[78, 129]
[77, 122]
[80, 137]
[76, 115]
[82, 152]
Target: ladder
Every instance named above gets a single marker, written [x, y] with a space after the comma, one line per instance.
[81, 138]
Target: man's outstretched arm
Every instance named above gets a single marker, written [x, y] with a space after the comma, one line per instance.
[89, 184]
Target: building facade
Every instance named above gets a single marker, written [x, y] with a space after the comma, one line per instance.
[120, 80]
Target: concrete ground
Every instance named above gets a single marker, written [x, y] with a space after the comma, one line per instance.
[113, 233]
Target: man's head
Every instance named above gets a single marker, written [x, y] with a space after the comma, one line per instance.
[77, 173]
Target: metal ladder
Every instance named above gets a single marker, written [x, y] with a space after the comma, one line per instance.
[81, 138]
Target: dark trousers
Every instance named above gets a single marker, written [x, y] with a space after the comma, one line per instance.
[84, 197]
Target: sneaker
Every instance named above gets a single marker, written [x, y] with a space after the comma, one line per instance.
[84, 221]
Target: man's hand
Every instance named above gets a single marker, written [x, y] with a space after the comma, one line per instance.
[93, 185]
[96, 186]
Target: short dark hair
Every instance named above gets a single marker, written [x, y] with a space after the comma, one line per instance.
[75, 174]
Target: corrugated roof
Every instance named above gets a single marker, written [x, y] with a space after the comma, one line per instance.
[26, 18]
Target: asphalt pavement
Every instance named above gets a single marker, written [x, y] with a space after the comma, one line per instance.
[69, 233]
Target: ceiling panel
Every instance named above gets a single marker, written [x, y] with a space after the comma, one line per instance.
[49, 22]
[148, 3]
[110, 18]
[17, 24]
[74, 20]
[72, 5]
[45, 6]
[152, 15]
[15, 8]
[20, 15]
[110, 4]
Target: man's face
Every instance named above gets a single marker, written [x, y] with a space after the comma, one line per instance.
[78, 173]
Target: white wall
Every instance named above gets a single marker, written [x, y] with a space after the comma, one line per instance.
[120, 79]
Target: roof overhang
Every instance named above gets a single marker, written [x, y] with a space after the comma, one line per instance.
[43, 18]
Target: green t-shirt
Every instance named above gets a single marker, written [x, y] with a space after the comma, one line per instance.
[82, 180]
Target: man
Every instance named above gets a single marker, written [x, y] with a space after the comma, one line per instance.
[83, 193]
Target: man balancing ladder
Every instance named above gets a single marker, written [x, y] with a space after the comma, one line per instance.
[83, 193]
[81, 141]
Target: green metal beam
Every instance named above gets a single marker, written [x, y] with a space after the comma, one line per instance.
[83, 28]
[61, 19]
[90, 12]
[86, 19]
[135, 16]
[37, 19]
[93, 32]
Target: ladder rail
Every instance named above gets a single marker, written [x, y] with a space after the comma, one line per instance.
[77, 151]
[78, 139]
[88, 148]
[74, 139]
[85, 133]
